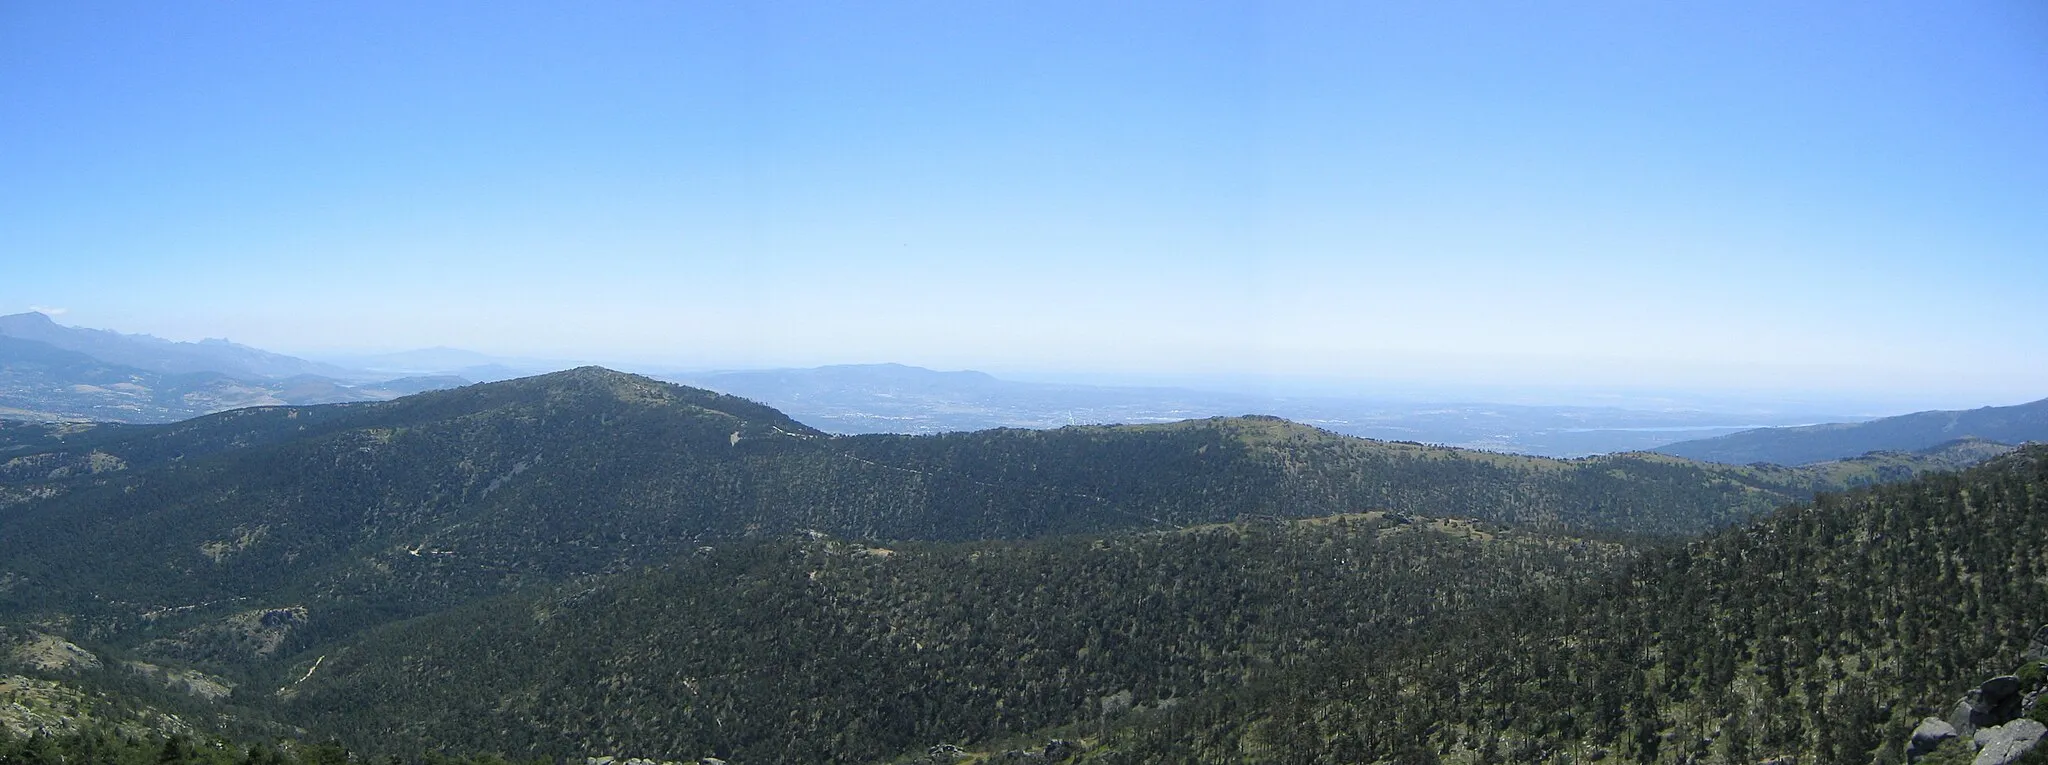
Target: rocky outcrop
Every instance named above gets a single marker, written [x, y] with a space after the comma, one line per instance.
[205, 686]
[1932, 733]
[1056, 750]
[2002, 694]
[1997, 718]
[47, 653]
[1970, 713]
[2006, 744]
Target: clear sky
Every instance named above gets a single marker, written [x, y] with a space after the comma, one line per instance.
[1729, 195]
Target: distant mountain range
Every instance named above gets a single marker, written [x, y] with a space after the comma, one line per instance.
[1909, 432]
[50, 371]
[155, 354]
[53, 372]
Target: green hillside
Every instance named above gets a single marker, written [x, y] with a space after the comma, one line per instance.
[818, 650]
[548, 560]
[368, 512]
[1820, 634]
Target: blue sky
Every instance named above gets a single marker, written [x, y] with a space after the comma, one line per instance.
[1757, 196]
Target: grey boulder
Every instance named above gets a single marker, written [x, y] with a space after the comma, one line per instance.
[1970, 713]
[2000, 688]
[2007, 743]
[1931, 733]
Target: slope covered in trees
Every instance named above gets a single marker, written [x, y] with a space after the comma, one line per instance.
[1821, 633]
[343, 553]
[818, 650]
[367, 512]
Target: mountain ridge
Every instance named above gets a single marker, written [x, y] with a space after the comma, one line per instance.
[1908, 432]
[578, 472]
[162, 356]
[56, 373]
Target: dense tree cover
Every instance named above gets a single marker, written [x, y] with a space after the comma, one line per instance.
[1822, 632]
[817, 650]
[363, 514]
[542, 477]
[18, 436]
[399, 571]
[1083, 479]
[111, 746]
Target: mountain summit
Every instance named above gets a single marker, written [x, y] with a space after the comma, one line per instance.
[24, 324]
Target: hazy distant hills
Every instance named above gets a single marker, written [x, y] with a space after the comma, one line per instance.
[893, 398]
[1910, 432]
[54, 372]
[40, 381]
[138, 378]
[162, 356]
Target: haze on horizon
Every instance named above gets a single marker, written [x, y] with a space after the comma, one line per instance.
[1743, 196]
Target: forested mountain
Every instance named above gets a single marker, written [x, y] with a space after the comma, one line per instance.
[1908, 432]
[435, 498]
[559, 559]
[1820, 633]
